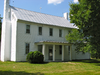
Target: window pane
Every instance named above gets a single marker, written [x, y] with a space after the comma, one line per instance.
[40, 30]
[27, 48]
[27, 28]
[68, 49]
[60, 33]
[69, 32]
[51, 32]
[60, 49]
[40, 48]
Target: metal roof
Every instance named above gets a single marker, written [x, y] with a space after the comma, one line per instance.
[41, 18]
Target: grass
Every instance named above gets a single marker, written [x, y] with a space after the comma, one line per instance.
[82, 67]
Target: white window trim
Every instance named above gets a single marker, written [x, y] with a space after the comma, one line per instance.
[25, 47]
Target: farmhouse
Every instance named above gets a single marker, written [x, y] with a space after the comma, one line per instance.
[24, 31]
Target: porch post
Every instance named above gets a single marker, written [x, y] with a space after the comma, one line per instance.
[70, 53]
[62, 52]
[53, 52]
[43, 51]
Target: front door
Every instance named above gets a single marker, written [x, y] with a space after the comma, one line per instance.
[50, 54]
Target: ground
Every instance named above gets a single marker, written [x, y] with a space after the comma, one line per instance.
[84, 67]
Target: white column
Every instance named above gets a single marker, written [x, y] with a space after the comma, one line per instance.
[53, 52]
[43, 51]
[70, 53]
[62, 52]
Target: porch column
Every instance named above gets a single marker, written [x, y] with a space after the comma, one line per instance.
[53, 52]
[70, 53]
[62, 52]
[43, 51]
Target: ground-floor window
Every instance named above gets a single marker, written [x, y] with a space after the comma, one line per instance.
[40, 48]
[68, 49]
[27, 48]
[60, 49]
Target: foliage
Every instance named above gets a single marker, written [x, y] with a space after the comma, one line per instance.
[86, 15]
[35, 57]
[0, 25]
[78, 40]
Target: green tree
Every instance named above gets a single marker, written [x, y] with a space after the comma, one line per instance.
[86, 15]
[78, 40]
[0, 25]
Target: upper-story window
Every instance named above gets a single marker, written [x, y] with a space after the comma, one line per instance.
[60, 33]
[51, 32]
[40, 30]
[69, 32]
[27, 28]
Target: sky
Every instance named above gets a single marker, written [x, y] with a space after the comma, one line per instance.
[51, 7]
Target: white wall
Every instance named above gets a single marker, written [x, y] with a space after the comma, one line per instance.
[80, 55]
[23, 37]
[13, 39]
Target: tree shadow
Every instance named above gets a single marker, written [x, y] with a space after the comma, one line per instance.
[88, 61]
[95, 61]
[18, 73]
[41, 63]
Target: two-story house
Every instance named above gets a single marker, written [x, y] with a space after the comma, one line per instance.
[24, 31]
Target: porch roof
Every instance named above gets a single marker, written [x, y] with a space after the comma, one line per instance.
[53, 42]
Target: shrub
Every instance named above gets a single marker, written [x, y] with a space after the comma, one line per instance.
[35, 57]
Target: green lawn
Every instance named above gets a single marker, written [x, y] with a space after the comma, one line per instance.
[85, 67]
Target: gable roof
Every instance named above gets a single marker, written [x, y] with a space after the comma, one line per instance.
[41, 18]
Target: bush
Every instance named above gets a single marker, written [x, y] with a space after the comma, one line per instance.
[35, 57]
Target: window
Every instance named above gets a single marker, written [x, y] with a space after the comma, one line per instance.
[27, 28]
[51, 32]
[60, 49]
[40, 48]
[69, 32]
[68, 49]
[40, 30]
[27, 45]
[60, 33]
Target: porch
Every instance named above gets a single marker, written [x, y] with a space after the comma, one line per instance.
[55, 51]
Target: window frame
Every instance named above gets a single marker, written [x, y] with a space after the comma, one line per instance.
[40, 31]
[39, 48]
[60, 32]
[50, 31]
[28, 29]
[69, 50]
[27, 49]
[60, 49]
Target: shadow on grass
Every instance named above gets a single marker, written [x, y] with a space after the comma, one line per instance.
[40, 63]
[95, 61]
[88, 61]
[18, 73]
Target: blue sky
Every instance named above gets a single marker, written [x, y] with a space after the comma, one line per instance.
[52, 7]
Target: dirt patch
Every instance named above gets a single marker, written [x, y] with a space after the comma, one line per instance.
[71, 63]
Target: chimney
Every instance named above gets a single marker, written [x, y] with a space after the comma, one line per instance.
[66, 15]
[6, 8]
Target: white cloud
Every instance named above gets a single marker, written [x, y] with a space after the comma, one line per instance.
[75, 1]
[55, 1]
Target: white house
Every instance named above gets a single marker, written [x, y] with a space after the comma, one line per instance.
[24, 31]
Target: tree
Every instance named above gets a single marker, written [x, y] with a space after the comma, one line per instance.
[78, 40]
[86, 15]
[0, 25]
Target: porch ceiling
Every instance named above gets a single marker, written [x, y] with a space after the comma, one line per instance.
[53, 42]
